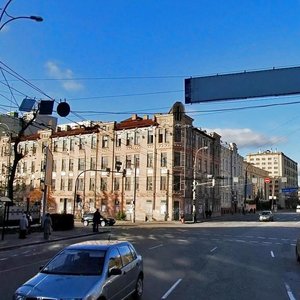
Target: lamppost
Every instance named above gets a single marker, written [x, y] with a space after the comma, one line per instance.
[11, 18]
[195, 180]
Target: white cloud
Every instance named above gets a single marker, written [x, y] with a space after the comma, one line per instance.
[246, 138]
[55, 71]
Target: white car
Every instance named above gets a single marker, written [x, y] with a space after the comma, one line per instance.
[266, 215]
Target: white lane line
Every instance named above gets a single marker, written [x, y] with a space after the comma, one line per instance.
[171, 289]
[160, 245]
[213, 249]
[272, 254]
[289, 292]
[5, 258]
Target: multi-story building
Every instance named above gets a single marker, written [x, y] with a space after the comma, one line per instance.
[232, 178]
[142, 166]
[283, 172]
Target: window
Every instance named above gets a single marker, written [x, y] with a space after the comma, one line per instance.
[32, 167]
[137, 138]
[71, 164]
[177, 134]
[55, 146]
[104, 162]
[176, 159]
[92, 184]
[118, 140]
[70, 184]
[160, 135]
[103, 184]
[129, 139]
[62, 184]
[63, 164]
[81, 144]
[81, 164]
[126, 255]
[53, 165]
[105, 141]
[150, 137]
[128, 161]
[136, 158]
[65, 145]
[80, 184]
[93, 163]
[163, 183]
[53, 184]
[114, 260]
[127, 183]
[163, 159]
[94, 142]
[116, 184]
[72, 143]
[150, 160]
[149, 183]
[176, 182]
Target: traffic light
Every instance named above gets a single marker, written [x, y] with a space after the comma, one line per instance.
[118, 166]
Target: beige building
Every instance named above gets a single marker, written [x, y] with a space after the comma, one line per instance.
[142, 166]
[283, 173]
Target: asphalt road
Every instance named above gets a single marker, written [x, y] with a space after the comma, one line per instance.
[220, 259]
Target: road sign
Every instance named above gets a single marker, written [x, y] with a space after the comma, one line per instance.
[267, 180]
[289, 190]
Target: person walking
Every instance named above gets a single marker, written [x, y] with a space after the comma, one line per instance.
[23, 226]
[96, 220]
[47, 226]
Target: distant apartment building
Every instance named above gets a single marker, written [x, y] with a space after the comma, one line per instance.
[141, 166]
[283, 173]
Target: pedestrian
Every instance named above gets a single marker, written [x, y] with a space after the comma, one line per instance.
[23, 226]
[96, 220]
[47, 226]
[29, 219]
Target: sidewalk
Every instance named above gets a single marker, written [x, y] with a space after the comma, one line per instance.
[12, 241]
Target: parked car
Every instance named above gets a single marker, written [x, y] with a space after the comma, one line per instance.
[88, 270]
[298, 209]
[87, 218]
[266, 215]
[298, 250]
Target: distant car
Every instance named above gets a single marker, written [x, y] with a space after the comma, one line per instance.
[298, 209]
[266, 215]
[88, 270]
[87, 218]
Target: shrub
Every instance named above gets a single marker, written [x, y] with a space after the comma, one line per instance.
[121, 216]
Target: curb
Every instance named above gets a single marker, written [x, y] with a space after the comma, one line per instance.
[49, 241]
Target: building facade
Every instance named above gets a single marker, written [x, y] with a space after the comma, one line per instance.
[283, 172]
[141, 166]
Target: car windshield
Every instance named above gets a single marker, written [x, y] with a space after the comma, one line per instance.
[76, 262]
[264, 213]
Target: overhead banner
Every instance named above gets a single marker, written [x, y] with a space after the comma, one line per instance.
[256, 84]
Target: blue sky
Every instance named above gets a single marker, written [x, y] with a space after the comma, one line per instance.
[132, 56]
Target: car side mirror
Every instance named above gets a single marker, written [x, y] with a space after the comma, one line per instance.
[115, 271]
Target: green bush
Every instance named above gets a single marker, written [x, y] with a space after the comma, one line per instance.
[62, 221]
[121, 216]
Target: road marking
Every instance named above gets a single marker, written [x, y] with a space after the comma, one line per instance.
[213, 249]
[5, 258]
[289, 292]
[272, 254]
[171, 289]
[160, 245]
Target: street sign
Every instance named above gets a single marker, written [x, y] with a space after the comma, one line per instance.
[289, 190]
[267, 180]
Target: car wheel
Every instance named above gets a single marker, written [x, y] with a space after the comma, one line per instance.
[139, 288]
[85, 223]
[102, 223]
[297, 255]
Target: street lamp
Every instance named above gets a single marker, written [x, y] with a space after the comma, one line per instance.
[195, 180]
[11, 18]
